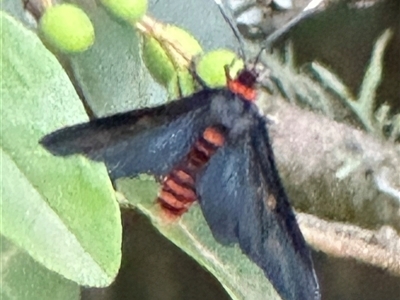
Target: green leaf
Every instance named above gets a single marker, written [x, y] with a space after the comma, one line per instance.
[22, 278]
[61, 211]
[241, 278]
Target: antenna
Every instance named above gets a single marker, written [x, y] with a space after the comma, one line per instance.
[232, 25]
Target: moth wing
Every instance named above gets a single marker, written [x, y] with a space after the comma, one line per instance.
[148, 140]
[296, 262]
[243, 202]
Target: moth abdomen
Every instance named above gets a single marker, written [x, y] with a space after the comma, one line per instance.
[178, 190]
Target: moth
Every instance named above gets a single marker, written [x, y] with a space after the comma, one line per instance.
[212, 147]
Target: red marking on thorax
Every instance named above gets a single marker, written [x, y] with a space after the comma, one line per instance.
[238, 88]
[243, 84]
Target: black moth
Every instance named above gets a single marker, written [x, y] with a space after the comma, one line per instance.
[214, 147]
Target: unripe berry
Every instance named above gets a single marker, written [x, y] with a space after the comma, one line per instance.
[211, 67]
[67, 28]
[129, 10]
[167, 53]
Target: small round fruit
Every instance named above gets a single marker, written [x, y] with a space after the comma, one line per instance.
[67, 28]
[157, 61]
[211, 67]
[185, 44]
[186, 83]
[167, 54]
[129, 10]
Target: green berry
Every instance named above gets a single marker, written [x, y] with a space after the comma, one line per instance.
[211, 67]
[167, 55]
[67, 27]
[186, 83]
[183, 41]
[129, 10]
[157, 61]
